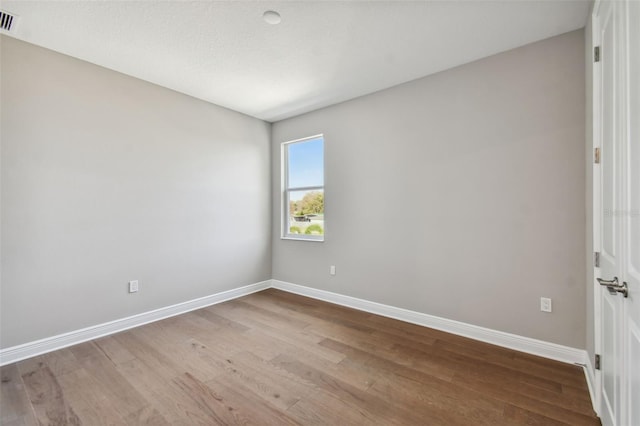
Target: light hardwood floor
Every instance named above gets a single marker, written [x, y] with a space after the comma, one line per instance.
[274, 358]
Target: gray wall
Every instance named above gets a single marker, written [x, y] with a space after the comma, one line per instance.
[106, 179]
[461, 194]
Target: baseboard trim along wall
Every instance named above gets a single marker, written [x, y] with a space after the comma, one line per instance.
[49, 344]
[507, 340]
[590, 375]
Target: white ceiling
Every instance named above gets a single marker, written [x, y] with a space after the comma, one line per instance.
[322, 53]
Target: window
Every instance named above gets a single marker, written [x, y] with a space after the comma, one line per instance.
[303, 189]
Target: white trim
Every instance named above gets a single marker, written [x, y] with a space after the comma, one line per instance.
[500, 338]
[302, 239]
[596, 137]
[507, 340]
[590, 375]
[49, 344]
[308, 138]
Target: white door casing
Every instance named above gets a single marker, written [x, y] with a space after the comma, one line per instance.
[631, 218]
[606, 242]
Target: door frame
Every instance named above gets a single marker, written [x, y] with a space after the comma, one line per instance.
[595, 207]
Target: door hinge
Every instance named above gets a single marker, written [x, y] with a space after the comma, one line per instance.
[596, 259]
[596, 156]
[596, 54]
[597, 366]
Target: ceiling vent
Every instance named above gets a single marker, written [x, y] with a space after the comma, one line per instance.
[8, 22]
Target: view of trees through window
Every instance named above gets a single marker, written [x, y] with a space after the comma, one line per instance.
[307, 212]
[304, 191]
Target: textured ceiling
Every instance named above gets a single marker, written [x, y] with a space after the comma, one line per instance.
[322, 53]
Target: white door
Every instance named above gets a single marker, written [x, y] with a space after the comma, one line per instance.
[609, 185]
[617, 215]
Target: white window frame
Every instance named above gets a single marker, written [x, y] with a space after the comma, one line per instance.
[286, 190]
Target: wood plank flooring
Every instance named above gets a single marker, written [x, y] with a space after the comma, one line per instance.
[274, 358]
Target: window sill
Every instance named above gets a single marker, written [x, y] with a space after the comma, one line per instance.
[313, 240]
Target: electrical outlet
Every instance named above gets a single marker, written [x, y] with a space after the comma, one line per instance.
[133, 286]
[332, 269]
[545, 304]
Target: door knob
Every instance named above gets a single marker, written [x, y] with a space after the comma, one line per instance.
[614, 287]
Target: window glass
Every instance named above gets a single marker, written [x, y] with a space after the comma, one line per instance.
[306, 163]
[303, 173]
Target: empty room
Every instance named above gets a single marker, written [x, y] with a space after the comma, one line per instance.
[320, 212]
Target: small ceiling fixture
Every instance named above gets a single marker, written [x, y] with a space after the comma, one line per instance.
[271, 17]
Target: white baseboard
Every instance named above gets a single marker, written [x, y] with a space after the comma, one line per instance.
[511, 341]
[500, 338]
[38, 347]
[590, 375]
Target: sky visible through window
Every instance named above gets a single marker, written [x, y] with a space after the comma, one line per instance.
[306, 164]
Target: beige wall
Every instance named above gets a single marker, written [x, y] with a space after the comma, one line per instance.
[106, 179]
[460, 195]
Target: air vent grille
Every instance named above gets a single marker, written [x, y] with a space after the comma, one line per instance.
[8, 22]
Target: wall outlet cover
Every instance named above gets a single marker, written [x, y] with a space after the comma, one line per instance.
[545, 304]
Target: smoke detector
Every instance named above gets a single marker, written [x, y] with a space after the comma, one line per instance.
[8, 22]
[271, 17]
